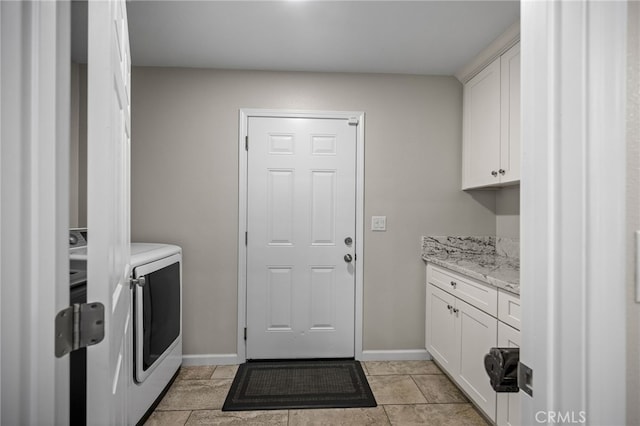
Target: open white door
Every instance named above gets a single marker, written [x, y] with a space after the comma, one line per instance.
[573, 215]
[108, 116]
[34, 216]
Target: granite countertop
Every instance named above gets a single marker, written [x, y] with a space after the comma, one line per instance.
[494, 261]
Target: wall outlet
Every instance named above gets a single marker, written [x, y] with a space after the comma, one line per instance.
[378, 223]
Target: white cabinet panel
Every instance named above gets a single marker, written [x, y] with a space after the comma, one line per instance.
[509, 309]
[508, 406]
[510, 115]
[440, 327]
[476, 334]
[491, 124]
[481, 127]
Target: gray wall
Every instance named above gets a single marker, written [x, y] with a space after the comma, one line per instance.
[78, 147]
[508, 212]
[185, 185]
[633, 212]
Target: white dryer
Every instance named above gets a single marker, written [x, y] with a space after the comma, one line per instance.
[157, 324]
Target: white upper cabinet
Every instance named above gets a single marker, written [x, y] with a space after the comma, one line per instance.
[510, 115]
[491, 124]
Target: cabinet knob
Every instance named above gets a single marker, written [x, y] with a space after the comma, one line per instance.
[449, 307]
[453, 284]
[502, 172]
[494, 173]
[455, 311]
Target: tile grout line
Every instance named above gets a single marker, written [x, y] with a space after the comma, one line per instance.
[420, 389]
[384, 408]
[215, 367]
[188, 417]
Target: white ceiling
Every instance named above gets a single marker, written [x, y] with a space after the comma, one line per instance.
[407, 37]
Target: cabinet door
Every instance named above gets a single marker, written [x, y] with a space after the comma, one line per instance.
[510, 111]
[508, 412]
[509, 309]
[440, 328]
[476, 333]
[481, 128]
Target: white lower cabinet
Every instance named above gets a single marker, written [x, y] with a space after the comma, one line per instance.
[477, 334]
[508, 412]
[458, 335]
[441, 328]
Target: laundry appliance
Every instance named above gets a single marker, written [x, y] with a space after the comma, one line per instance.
[156, 307]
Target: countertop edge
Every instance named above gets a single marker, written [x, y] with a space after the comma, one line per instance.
[487, 279]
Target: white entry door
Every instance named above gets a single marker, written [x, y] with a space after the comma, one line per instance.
[108, 146]
[301, 238]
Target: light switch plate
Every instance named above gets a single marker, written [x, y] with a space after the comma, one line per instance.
[378, 223]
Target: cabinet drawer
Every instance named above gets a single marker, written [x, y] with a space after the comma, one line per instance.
[509, 309]
[471, 291]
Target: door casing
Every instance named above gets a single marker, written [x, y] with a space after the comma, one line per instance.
[245, 113]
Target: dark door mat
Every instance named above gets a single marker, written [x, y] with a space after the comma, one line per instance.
[280, 385]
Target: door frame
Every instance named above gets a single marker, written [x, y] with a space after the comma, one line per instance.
[34, 212]
[573, 210]
[244, 115]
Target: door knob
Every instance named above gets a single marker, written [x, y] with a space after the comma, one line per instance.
[348, 241]
[348, 258]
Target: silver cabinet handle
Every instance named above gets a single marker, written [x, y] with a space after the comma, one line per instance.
[494, 173]
[502, 172]
[348, 258]
[453, 284]
[455, 311]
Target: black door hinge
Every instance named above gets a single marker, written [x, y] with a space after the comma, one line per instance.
[245, 333]
[246, 143]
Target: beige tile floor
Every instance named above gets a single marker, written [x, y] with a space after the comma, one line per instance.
[407, 392]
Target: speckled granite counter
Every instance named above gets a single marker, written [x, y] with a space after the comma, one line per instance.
[495, 261]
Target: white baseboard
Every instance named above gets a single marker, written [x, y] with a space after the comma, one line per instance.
[396, 355]
[371, 355]
[210, 359]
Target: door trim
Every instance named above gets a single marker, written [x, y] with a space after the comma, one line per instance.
[245, 113]
[572, 275]
[34, 175]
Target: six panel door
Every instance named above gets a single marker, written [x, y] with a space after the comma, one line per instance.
[301, 209]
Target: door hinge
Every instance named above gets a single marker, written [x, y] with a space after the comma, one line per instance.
[353, 121]
[245, 333]
[246, 143]
[246, 238]
[525, 378]
[78, 326]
